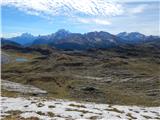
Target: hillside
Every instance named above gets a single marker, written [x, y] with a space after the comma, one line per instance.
[126, 74]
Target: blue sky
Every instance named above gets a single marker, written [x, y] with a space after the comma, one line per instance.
[45, 17]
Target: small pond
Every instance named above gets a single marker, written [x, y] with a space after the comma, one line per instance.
[21, 59]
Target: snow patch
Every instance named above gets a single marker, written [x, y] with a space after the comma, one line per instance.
[57, 109]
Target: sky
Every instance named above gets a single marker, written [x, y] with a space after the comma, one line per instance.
[42, 17]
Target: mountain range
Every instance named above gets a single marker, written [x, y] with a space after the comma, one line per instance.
[24, 39]
[64, 39]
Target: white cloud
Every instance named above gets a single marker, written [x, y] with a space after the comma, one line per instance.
[102, 22]
[8, 35]
[138, 9]
[84, 11]
[94, 20]
[67, 7]
[129, 1]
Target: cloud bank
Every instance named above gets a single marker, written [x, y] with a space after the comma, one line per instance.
[138, 9]
[67, 7]
[84, 11]
[94, 20]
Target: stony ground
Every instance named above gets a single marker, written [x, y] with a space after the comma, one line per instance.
[124, 81]
[124, 77]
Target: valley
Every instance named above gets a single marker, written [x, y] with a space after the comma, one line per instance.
[123, 75]
[105, 76]
[80, 60]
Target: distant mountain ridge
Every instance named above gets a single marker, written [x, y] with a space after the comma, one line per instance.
[8, 42]
[135, 37]
[24, 39]
[64, 39]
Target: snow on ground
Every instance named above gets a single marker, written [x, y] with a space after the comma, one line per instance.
[17, 87]
[69, 110]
